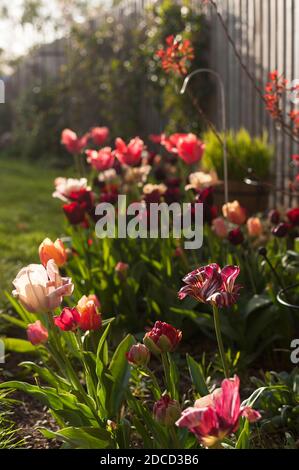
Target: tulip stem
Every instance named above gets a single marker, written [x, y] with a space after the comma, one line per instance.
[219, 340]
[156, 386]
[166, 368]
[174, 437]
[71, 374]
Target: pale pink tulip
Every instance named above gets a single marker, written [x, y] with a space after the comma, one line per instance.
[41, 289]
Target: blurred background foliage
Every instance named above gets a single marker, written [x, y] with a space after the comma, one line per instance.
[110, 72]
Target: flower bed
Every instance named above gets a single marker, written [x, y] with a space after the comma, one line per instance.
[114, 304]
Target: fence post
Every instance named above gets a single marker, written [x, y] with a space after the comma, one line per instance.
[2, 92]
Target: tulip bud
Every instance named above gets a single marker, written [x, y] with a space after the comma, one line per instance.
[178, 252]
[68, 320]
[49, 250]
[162, 338]
[37, 333]
[121, 267]
[167, 411]
[138, 355]
[262, 251]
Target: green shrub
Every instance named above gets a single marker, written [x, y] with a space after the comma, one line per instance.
[245, 152]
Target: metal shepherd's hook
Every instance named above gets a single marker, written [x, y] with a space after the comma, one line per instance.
[223, 113]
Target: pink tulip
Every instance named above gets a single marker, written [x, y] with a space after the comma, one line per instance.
[254, 227]
[216, 416]
[49, 250]
[41, 289]
[212, 285]
[235, 213]
[170, 143]
[72, 142]
[99, 135]
[190, 149]
[68, 320]
[37, 333]
[100, 160]
[219, 227]
[186, 146]
[129, 154]
[121, 267]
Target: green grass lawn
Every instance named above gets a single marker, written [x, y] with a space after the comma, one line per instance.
[28, 214]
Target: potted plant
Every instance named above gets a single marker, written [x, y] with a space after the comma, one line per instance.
[249, 158]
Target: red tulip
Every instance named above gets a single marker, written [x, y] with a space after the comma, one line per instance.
[74, 212]
[37, 333]
[295, 159]
[68, 320]
[162, 338]
[99, 135]
[216, 416]
[281, 230]
[212, 285]
[235, 236]
[166, 411]
[90, 317]
[85, 198]
[293, 216]
[274, 216]
[100, 160]
[129, 154]
[72, 142]
[139, 355]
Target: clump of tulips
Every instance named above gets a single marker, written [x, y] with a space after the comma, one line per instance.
[88, 387]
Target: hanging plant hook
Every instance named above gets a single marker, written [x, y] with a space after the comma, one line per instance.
[223, 115]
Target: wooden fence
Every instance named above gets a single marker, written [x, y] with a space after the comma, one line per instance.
[266, 38]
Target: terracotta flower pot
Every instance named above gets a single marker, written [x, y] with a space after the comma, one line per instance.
[253, 198]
